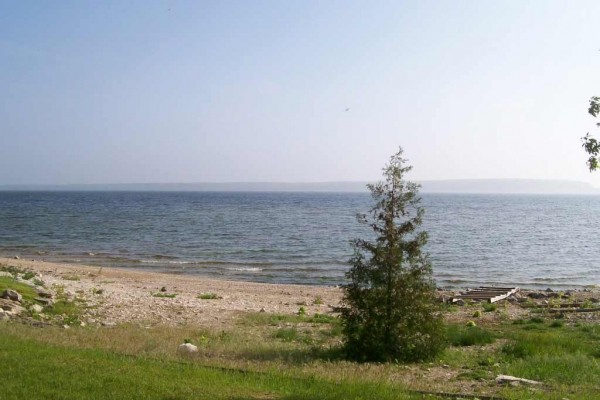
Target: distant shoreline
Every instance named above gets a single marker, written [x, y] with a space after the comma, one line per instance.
[458, 186]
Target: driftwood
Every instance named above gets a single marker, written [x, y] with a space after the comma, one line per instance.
[514, 379]
[491, 294]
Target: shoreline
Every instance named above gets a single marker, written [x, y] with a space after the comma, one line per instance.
[116, 296]
[182, 270]
[129, 296]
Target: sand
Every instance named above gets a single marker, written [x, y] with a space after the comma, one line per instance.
[120, 295]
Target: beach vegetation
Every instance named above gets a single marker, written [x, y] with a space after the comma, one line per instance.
[11, 269]
[28, 275]
[209, 296]
[489, 307]
[165, 295]
[277, 346]
[318, 300]
[390, 312]
[97, 291]
[66, 309]
[71, 277]
[459, 335]
[38, 282]
[27, 292]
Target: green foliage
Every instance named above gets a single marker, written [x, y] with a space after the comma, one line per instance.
[287, 334]
[165, 295]
[590, 144]
[390, 312]
[322, 319]
[318, 300]
[28, 275]
[468, 335]
[536, 320]
[489, 307]
[302, 311]
[11, 269]
[38, 282]
[517, 349]
[209, 296]
[64, 308]
[557, 324]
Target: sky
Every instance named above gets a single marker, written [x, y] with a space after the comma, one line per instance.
[295, 91]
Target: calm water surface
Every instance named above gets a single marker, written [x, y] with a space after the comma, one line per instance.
[531, 241]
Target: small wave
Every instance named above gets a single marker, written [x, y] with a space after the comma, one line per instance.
[163, 257]
[245, 269]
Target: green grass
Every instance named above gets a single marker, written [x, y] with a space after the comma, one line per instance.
[165, 295]
[11, 269]
[209, 296]
[287, 334]
[489, 307]
[71, 277]
[553, 353]
[306, 349]
[459, 335]
[28, 293]
[28, 275]
[106, 375]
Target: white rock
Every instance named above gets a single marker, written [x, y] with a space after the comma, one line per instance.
[37, 308]
[187, 348]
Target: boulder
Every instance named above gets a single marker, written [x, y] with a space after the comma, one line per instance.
[46, 302]
[11, 295]
[187, 348]
[37, 308]
[44, 293]
[11, 307]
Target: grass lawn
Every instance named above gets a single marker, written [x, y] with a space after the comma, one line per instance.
[34, 369]
[276, 356]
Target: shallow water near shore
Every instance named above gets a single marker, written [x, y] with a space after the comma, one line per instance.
[526, 240]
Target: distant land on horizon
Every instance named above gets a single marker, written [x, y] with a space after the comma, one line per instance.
[482, 186]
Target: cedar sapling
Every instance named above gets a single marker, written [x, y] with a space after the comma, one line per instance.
[390, 312]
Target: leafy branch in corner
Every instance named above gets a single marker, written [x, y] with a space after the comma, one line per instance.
[590, 144]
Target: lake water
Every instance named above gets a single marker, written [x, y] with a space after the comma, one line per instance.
[524, 240]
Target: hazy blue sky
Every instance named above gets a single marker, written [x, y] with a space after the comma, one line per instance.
[173, 91]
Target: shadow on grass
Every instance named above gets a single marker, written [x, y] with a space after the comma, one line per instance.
[295, 356]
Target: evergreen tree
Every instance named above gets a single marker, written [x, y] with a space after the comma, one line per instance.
[390, 312]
